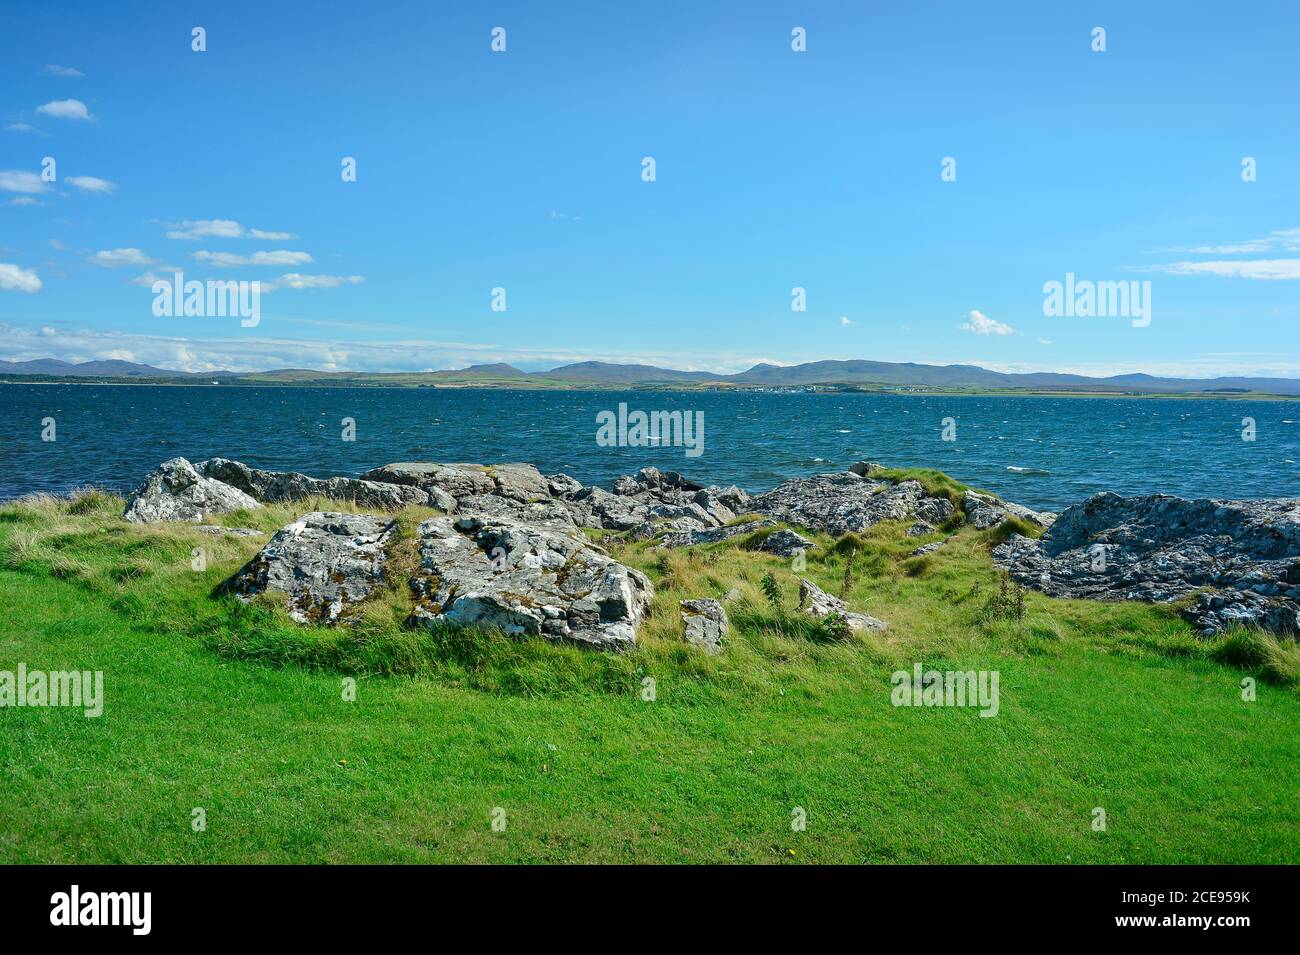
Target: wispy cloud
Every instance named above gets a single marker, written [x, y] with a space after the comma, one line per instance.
[92, 184]
[14, 279]
[1263, 269]
[21, 128]
[115, 258]
[232, 260]
[222, 229]
[20, 180]
[981, 324]
[297, 281]
[66, 71]
[845, 321]
[65, 109]
[24, 201]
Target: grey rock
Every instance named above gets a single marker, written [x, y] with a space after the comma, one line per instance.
[285, 487]
[984, 511]
[731, 497]
[519, 482]
[325, 563]
[691, 537]
[704, 624]
[176, 491]
[717, 512]
[546, 513]
[785, 543]
[928, 548]
[817, 603]
[920, 529]
[1159, 548]
[524, 579]
[458, 480]
[216, 530]
[561, 485]
[598, 508]
[842, 502]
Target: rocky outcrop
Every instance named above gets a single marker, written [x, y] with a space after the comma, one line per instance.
[785, 543]
[846, 501]
[692, 537]
[525, 579]
[984, 511]
[176, 491]
[324, 563]
[704, 624]
[817, 603]
[1245, 554]
[286, 487]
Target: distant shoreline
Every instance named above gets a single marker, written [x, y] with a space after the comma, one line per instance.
[821, 389]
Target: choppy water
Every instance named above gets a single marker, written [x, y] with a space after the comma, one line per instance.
[1042, 452]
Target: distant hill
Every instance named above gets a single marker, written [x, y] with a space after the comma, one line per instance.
[630, 374]
[111, 368]
[856, 373]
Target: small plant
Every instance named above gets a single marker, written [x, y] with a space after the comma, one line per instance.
[847, 582]
[772, 591]
[1008, 603]
[834, 627]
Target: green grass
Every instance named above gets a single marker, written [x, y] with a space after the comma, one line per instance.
[210, 703]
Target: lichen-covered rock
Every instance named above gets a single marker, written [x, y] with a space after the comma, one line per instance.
[525, 579]
[285, 487]
[598, 508]
[1159, 548]
[984, 511]
[817, 603]
[704, 624]
[457, 480]
[691, 536]
[842, 502]
[785, 543]
[325, 563]
[176, 491]
[545, 513]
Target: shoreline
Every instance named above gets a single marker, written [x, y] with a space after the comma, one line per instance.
[634, 386]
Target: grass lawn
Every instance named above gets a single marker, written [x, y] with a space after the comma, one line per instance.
[234, 709]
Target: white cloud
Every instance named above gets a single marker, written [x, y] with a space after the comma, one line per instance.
[91, 184]
[113, 258]
[222, 229]
[20, 180]
[295, 280]
[1263, 269]
[844, 321]
[230, 259]
[55, 70]
[981, 324]
[14, 279]
[20, 128]
[24, 201]
[65, 109]
[1044, 341]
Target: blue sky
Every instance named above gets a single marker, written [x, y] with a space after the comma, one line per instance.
[774, 169]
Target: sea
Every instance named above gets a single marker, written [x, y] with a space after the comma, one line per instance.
[1044, 452]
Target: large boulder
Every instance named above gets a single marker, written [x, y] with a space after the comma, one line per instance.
[457, 480]
[704, 624]
[984, 511]
[818, 603]
[785, 543]
[845, 501]
[524, 579]
[1244, 554]
[325, 563]
[176, 491]
[284, 487]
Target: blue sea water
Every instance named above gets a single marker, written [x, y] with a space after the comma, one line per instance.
[1042, 452]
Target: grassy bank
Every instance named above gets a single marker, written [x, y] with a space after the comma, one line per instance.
[235, 710]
